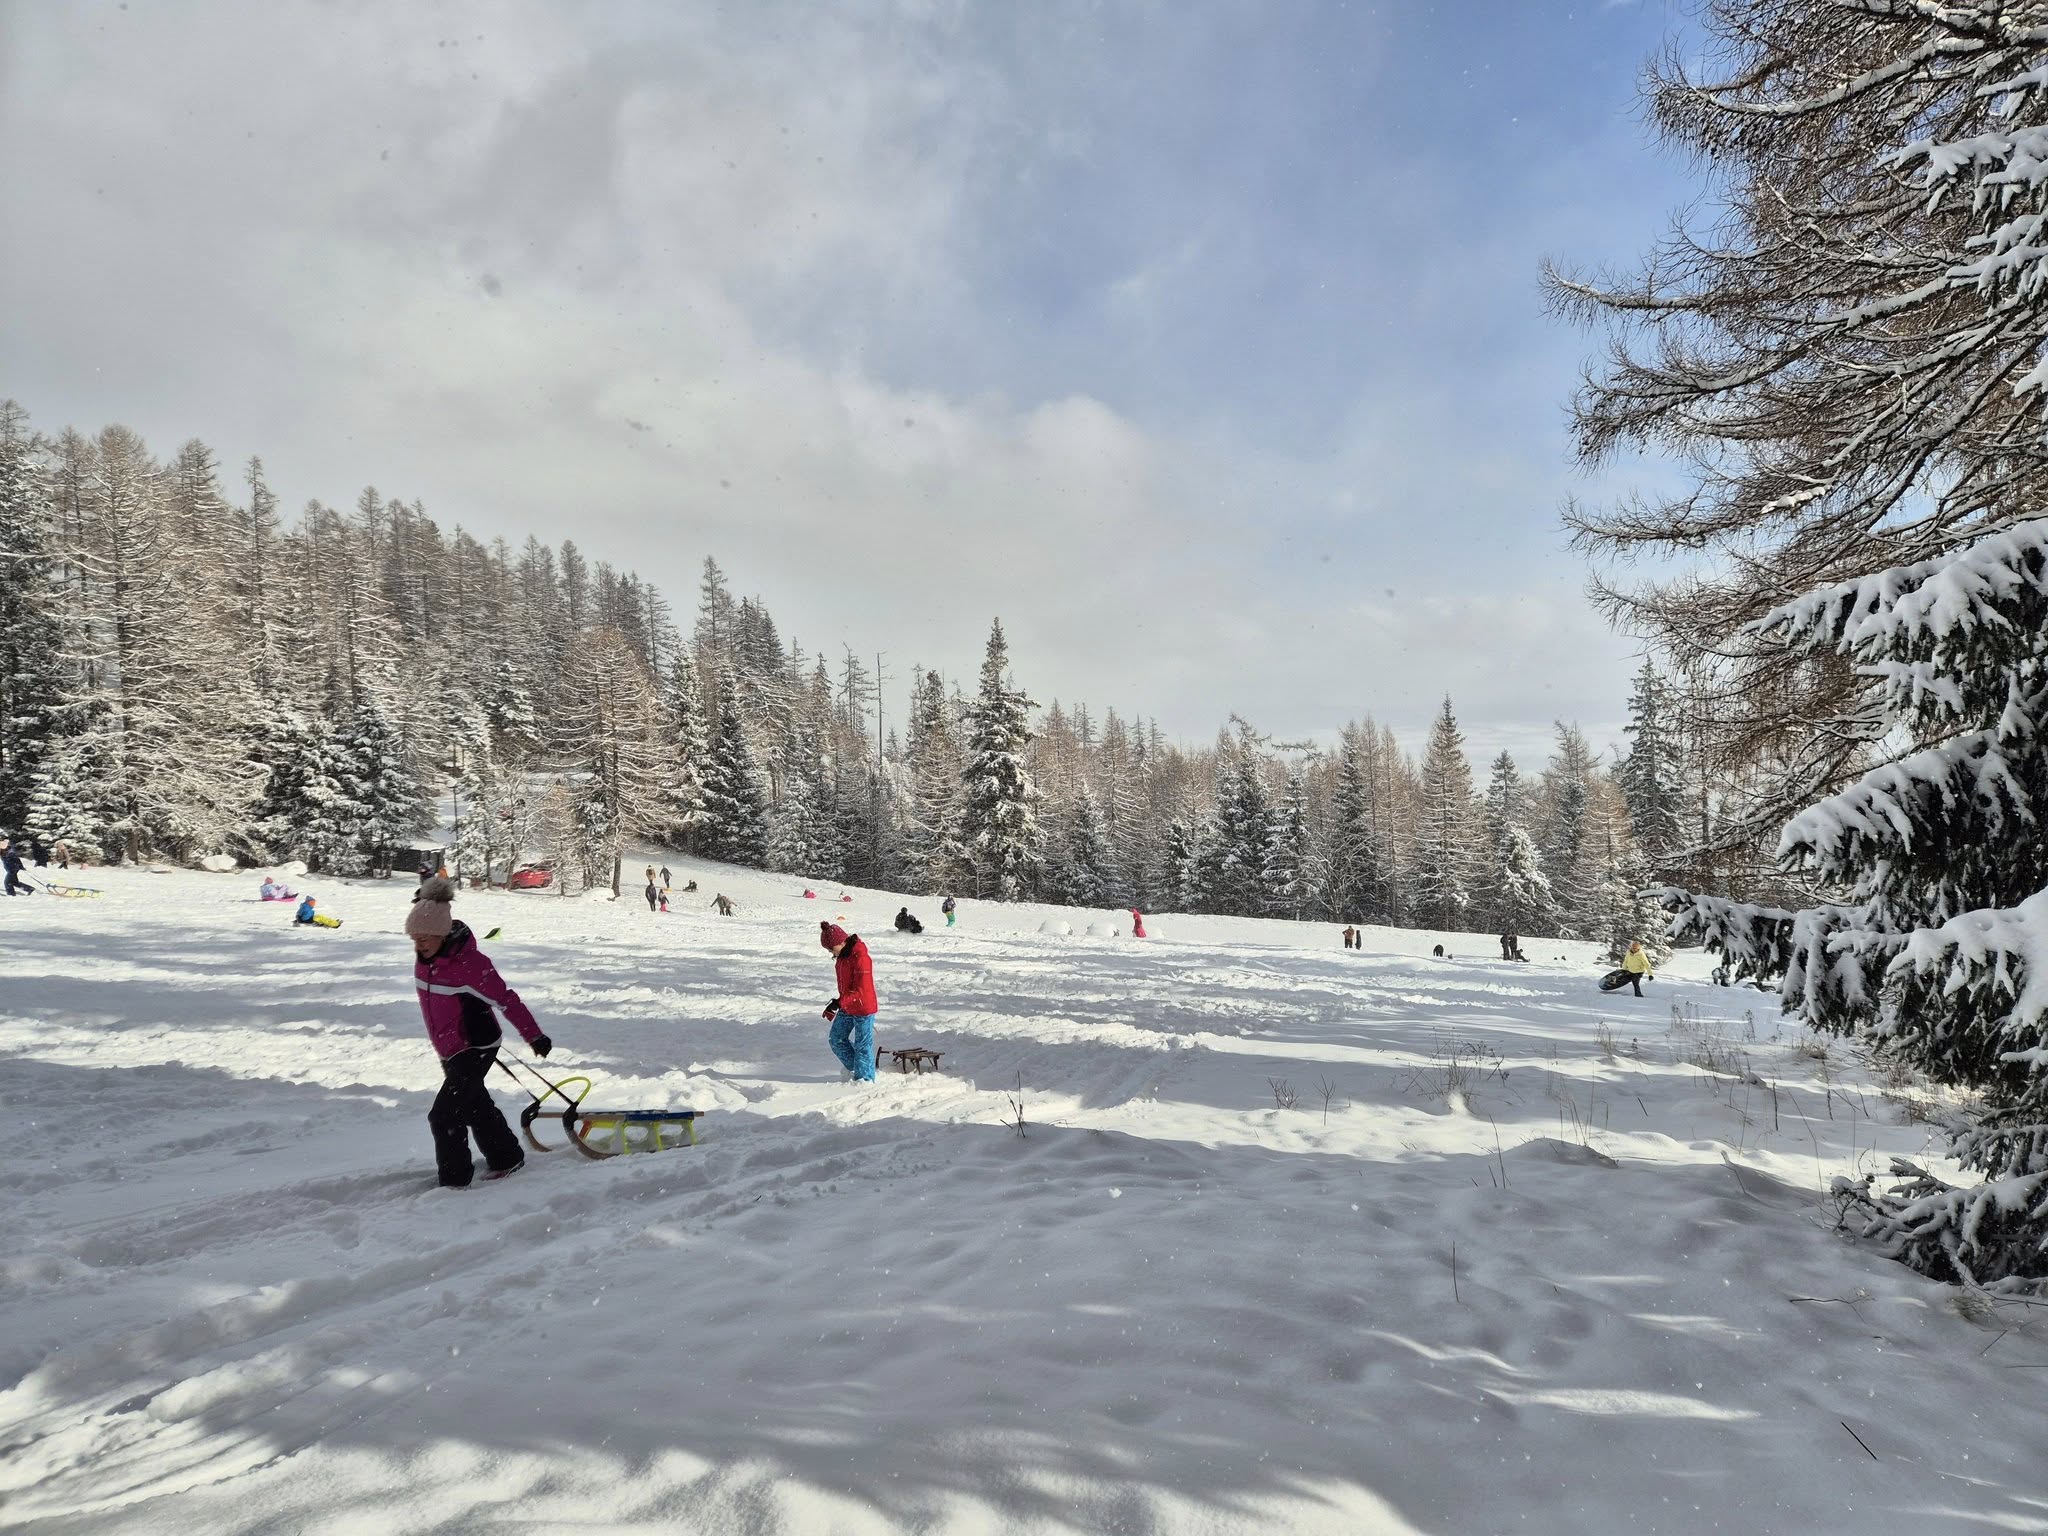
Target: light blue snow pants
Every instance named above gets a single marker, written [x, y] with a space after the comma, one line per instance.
[853, 1042]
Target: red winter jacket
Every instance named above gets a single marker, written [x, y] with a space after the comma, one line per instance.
[856, 978]
[458, 989]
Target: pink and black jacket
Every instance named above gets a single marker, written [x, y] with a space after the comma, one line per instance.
[460, 991]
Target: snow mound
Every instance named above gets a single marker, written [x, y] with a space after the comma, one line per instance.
[1056, 928]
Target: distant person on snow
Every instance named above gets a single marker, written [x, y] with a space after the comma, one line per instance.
[61, 852]
[10, 858]
[653, 893]
[1637, 963]
[1437, 950]
[689, 888]
[946, 907]
[461, 995]
[853, 1010]
[1350, 937]
[1137, 924]
[667, 879]
[1511, 947]
[271, 890]
[905, 923]
[306, 917]
[724, 904]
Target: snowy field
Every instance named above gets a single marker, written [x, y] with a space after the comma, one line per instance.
[1533, 1267]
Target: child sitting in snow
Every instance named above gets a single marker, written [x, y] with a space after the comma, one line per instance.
[272, 891]
[306, 916]
[461, 994]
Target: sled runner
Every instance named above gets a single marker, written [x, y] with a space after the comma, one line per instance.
[75, 892]
[601, 1133]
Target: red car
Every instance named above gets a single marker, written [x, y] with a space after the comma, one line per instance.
[531, 877]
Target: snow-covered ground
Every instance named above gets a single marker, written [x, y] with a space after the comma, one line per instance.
[1531, 1267]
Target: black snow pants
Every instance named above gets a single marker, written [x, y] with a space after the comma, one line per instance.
[464, 1107]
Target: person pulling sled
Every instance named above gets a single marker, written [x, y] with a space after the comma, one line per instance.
[461, 995]
[1634, 970]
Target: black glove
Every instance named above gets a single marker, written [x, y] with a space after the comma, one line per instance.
[542, 1045]
[832, 1009]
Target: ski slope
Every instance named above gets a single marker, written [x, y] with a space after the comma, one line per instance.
[1531, 1268]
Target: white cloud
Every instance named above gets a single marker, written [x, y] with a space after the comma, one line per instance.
[539, 267]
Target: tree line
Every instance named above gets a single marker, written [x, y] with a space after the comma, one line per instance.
[185, 673]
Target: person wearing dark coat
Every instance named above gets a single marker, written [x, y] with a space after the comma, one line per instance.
[10, 857]
[905, 923]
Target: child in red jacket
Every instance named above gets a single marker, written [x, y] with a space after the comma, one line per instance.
[852, 1010]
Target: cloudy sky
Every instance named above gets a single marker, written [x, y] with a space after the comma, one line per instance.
[1201, 341]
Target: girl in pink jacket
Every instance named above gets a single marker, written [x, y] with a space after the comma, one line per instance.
[461, 995]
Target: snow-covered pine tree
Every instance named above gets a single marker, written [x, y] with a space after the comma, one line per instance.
[1086, 875]
[1563, 813]
[1119, 788]
[386, 784]
[1522, 899]
[999, 823]
[1288, 876]
[1233, 846]
[735, 825]
[65, 800]
[938, 857]
[1517, 894]
[1650, 773]
[307, 810]
[1937, 946]
[506, 696]
[1348, 869]
[33, 688]
[1180, 872]
[801, 838]
[686, 753]
[1626, 909]
[1442, 877]
[1854, 361]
